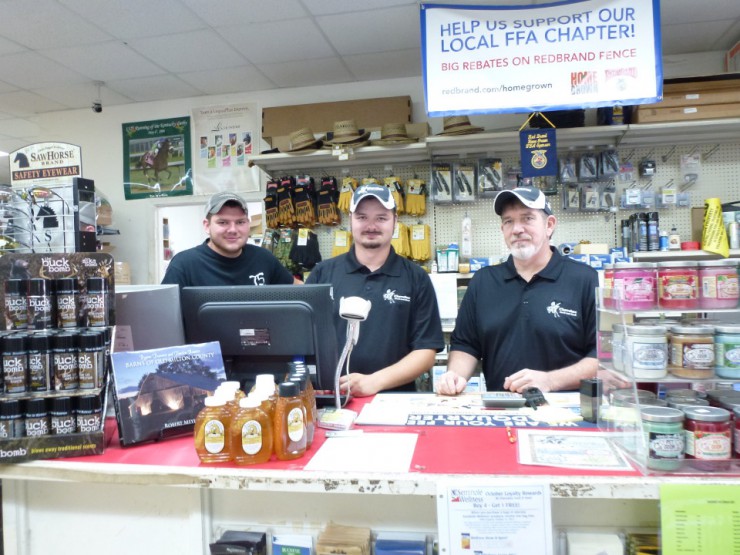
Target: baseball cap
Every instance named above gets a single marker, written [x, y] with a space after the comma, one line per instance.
[217, 201]
[380, 192]
[531, 197]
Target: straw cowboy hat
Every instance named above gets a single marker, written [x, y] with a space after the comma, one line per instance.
[302, 140]
[346, 133]
[459, 125]
[394, 134]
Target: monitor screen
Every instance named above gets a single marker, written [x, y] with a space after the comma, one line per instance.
[262, 329]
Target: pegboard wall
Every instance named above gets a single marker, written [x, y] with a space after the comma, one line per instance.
[718, 176]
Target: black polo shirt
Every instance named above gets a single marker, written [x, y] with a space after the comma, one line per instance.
[545, 324]
[404, 315]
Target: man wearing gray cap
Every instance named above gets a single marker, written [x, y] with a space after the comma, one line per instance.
[532, 319]
[225, 258]
[402, 333]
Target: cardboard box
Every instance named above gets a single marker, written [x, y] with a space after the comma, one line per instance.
[369, 113]
[597, 261]
[591, 248]
[697, 97]
[646, 114]
[701, 84]
[697, 223]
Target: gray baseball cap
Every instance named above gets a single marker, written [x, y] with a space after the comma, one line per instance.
[217, 201]
[531, 197]
[380, 192]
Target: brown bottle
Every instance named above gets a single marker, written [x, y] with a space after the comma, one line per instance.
[212, 440]
[289, 423]
[301, 379]
[251, 433]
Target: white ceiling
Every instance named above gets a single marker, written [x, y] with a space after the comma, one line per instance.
[53, 51]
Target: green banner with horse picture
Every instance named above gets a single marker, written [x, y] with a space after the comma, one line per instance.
[156, 158]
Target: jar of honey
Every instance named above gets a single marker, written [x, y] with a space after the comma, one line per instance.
[289, 423]
[212, 440]
[251, 433]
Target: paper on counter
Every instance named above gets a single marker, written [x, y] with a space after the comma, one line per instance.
[366, 452]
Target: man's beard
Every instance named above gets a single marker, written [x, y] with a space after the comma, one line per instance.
[524, 252]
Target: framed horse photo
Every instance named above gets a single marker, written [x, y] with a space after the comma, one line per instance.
[156, 159]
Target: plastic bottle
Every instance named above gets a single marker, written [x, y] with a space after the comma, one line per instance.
[251, 433]
[212, 440]
[674, 240]
[466, 238]
[310, 418]
[289, 424]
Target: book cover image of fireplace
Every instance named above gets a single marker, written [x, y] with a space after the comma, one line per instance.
[159, 392]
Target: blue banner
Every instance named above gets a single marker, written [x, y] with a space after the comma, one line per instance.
[564, 55]
[538, 151]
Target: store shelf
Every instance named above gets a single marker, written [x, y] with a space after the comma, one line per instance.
[497, 143]
[658, 256]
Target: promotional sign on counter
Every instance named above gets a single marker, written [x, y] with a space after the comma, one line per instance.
[574, 54]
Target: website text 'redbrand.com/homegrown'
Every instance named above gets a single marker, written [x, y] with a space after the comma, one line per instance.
[498, 89]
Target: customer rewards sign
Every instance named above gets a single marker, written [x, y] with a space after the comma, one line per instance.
[573, 54]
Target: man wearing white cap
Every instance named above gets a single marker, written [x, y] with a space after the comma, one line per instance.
[532, 319]
[225, 258]
[402, 333]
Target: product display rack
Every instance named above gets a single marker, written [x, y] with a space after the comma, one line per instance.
[624, 423]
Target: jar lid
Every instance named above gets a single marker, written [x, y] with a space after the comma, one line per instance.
[729, 402]
[718, 263]
[288, 389]
[621, 394]
[683, 403]
[60, 405]
[677, 264]
[10, 408]
[249, 402]
[36, 407]
[727, 328]
[631, 265]
[646, 330]
[214, 401]
[693, 330]
[681, 393]
[651, 402]
[661, 414]
[707, 414]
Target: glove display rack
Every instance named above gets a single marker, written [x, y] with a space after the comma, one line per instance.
[657, 441]
[715, 141]
[53, 219]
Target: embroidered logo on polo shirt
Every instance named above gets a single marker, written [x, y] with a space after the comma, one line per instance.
[557, 311]
[258, 279]
[391, 297]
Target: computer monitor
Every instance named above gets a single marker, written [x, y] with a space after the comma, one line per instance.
[262, 329]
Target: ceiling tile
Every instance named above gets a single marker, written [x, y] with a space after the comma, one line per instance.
[145, 89]
[323, 7]
[232, 12]
[138, 18]
[82, 95]
[8, 46]
[286, 41]
[6, 87]
[25, 104]
[229, 80]
[104, 61]
[400, 30]
[301, 73]
[29, 70]
[385, 65]
[195, 51]
[46, 24]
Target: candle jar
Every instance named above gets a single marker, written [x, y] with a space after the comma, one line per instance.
[718, 284]
[664, 437]
[646, 355]
[708, 439]
[692, 352]
[678, 285]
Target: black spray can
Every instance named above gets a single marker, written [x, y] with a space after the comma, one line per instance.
[89, 414]
[15, 363]
[40, 308]
[91, 359]
[96, 302]
[16, 305]
[64, 361]
[12, 424]
[66, 302]
[39, 362]
[62, 419]
[37, 417]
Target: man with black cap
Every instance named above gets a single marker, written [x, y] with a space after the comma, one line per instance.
[532, 319]
[403, 331]
[225, 258]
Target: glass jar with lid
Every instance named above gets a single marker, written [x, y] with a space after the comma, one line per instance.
[692, 352]
[718, 284]
[727, 351]
[635, 286]
[678, 285]
[646, 355]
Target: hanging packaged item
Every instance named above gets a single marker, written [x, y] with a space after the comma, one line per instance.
[400, 240]
[286, 208]
[421, 242]
[349, 184]
[490, 177]
[305, 250]
[464, 179]
[441, 180]
[416, 197]
[395, 184]
[328, 213]
[271, 204]
[588, 166]
[341, 243]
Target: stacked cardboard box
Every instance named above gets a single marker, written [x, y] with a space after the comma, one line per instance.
[684, 99]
